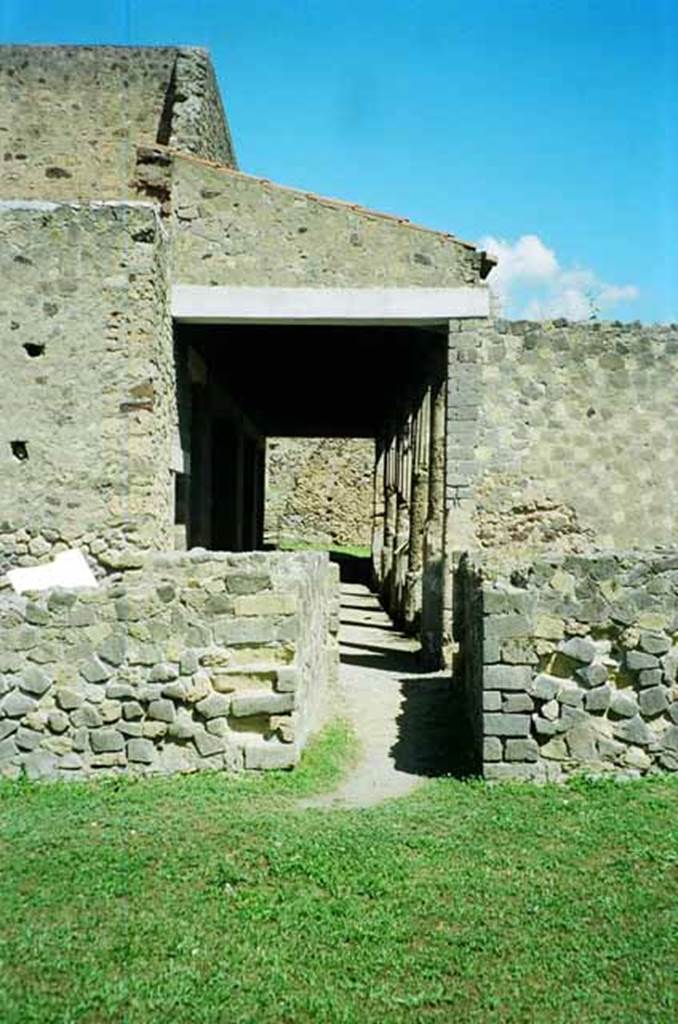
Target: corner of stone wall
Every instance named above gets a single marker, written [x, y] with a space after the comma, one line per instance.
[575, 662]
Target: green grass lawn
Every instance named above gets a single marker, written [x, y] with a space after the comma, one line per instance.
[207, 899]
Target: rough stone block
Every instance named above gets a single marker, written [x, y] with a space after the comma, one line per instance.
[492, 749]
[491, 700]
[265, 604]
[582, 742]
[16, 704]
[183, 726]
[506, 725]
[27, 739]
[176, 690]
[544, 687]
[118, 691]
[161, 710]
[216, 705]
[86, 716]
[163, 672]
[570, 694]
[637, 660]
[58, 721]
[653, 701]
[598, 699]
[207, 744]
[514, 772]
[270, 754]
[633, 730]
[670, 739]
[94, 671]
[623, 704]
[522, 750]
[579, 649]
[555, 749]
[504, 627]
[154, 730]
[40, 764]
[113, 650]
[592, 675]
[262, 703]
[649, 677]
[245, 631]
[141, 751]
[507, 677]
[549, 627]
[491, 651]
[654, 643]
[514, 702]
[7, 727]
[34, 680]
[106, 741]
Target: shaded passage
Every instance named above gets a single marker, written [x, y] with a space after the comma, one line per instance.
[409, 722]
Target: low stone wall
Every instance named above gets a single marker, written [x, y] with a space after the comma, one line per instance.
[571, 663]
[178, 663]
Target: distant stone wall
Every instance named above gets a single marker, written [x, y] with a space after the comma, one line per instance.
[180, 663]
[320, 490]
[70, 116]
[88, 414]
[561, 436]
[231, 229]
[571, 663]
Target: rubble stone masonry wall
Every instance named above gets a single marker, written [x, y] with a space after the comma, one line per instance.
[571, 663]
[575, 443]
[88, 416]
[179, 663]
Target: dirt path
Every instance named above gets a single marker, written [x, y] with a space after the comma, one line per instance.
[400, 715]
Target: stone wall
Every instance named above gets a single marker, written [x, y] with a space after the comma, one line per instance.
[183, 662]
[560, 436]
[232, 229]
[571, 663]
[319, 490]
[71, 115]
[88, 413]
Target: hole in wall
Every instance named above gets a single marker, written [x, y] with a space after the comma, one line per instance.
[19, 450]
[34, 350]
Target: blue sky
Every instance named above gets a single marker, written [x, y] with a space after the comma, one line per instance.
[547, 129]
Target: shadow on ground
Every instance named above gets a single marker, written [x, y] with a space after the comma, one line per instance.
[434, 736]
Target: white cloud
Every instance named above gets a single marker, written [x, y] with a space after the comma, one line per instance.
[530, 283]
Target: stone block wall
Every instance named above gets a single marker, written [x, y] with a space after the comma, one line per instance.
[70, 116]
[571, 663]
[233, 229]
[88, 416]
[560, 436]
[180, 663]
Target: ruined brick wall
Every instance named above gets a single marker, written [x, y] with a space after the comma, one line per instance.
[574, 660]
[231, 229]
[562, 436]
[319, 490]
[88, 414]
[70, 116]
[181, 663]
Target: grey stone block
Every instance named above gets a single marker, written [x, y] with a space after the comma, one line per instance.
[70, 762]
[34, 681]
[649, 677]
[653, 701]
[244, 631]
[506, 725]
[207, 744]
[673, 712]
[670, 739]
[86, 716]
[555, 749]
[58, 721]
[544, 687]
[262, 703]
[130, 728]
[8, 749]
[40, 764]
[637, 660]
[132, 710]
[164, 672]
[7, 727]
[491, 651]
[624, 705]
[217, 726]
[522, 750]
[216, 705]
[161, 710]
[492, 749]
[114, 650]
[592, 675]
[94, 671]
[598, 699]
[16, 704]
[118, 691]
[545, 727]
[581, 742]
[570, 694]
[515, 702]
[141, 751]
[270, 755]
[183, 727]
[579, 649]
[515, 772]
[507, 677]
[491, 700]
[504, 627]
[176, 690]
[633, 730]
[654, 643]
[189, 663]
[106, 741]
